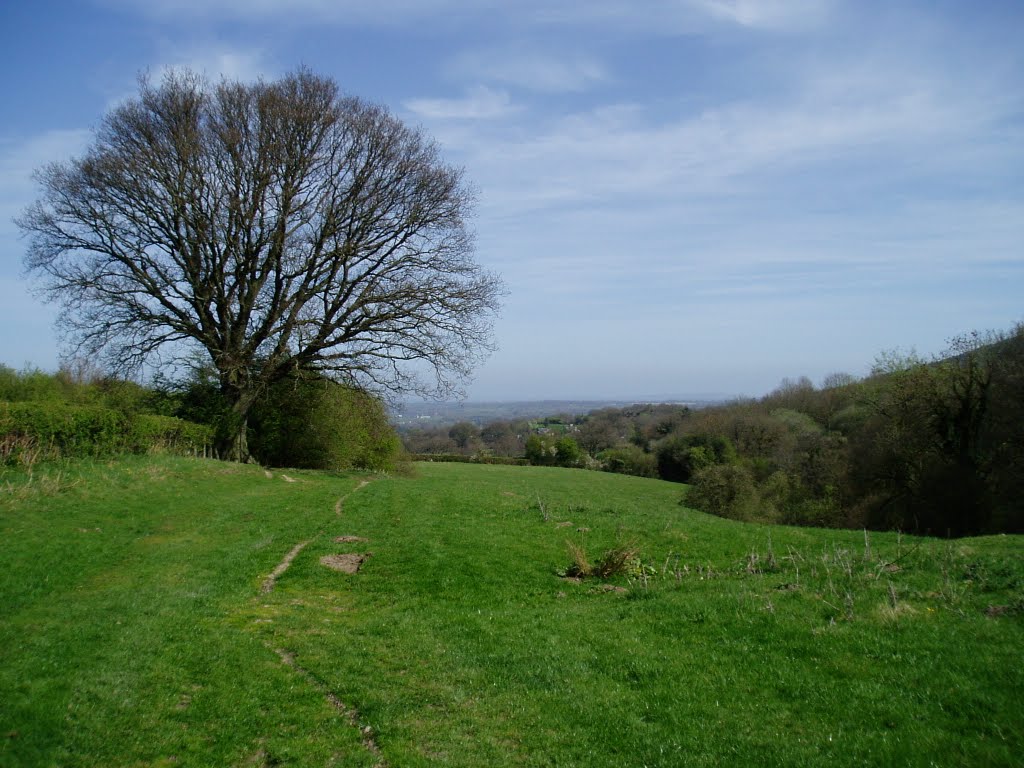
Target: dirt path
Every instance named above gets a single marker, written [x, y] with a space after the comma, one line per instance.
[268, 583]
[337, 507]
[350, 714]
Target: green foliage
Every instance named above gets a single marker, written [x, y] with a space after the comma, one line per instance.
[29, 385]
[51, 429]
[539, 452]
[629, 460]
[567, 452]
[151, 432]
[725, 490]
[681, 457]
[312, 422]
[797, 422]
[554, 451]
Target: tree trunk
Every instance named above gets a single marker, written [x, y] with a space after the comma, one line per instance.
[232, 441]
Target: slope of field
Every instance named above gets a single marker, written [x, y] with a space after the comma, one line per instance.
[158, 612]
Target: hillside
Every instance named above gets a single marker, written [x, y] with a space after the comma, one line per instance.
[162, 611]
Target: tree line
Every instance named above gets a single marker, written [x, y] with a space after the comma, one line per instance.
[930, 446]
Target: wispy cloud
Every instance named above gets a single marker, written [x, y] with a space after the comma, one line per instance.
[891, 131]
[660, 16]
[532, 69]
[479, 103]
[19, 159]
[767, 14]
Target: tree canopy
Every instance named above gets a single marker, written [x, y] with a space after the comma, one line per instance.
[272, 227]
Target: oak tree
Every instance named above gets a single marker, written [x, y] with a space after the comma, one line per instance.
[272, 226]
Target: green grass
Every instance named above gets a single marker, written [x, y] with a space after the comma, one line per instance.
[134, 630]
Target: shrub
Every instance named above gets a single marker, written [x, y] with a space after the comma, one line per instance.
[150, 433]
[568, 453]
[67, 430]
[49, 429]
[311, 422]
[539, 451]
[726, 490]
[629, 460]
[547, 450]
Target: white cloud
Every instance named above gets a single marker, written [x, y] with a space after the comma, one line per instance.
[20, 158]
[479, 103]
[882, 130]
[531, 69]
[215, 62]
[767, 14]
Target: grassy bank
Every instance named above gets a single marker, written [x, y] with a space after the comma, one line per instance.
[148, 620]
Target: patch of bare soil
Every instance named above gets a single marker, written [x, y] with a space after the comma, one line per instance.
[346, 563]
[610, 588]
[563, 524]
[349, 539]
[268, 583]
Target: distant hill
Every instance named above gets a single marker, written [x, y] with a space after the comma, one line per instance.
[438, 414]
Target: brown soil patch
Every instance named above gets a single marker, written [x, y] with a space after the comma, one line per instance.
[347, 563]
[563, 524]
[610, 588]
[349, 539]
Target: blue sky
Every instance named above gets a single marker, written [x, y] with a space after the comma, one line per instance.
[682, 196]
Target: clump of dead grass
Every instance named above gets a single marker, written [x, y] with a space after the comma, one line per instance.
[620, 560]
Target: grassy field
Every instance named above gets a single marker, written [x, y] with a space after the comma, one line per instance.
[160, 612]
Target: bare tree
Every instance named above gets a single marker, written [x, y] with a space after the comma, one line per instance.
[272, 226]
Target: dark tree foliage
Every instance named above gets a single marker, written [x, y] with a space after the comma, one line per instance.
[680, 457]
[306, 420]
[274, 227]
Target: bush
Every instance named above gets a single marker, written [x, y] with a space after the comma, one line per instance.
[150, 433]
[50, 429]
[66, 430]
[629, 460]
[726, 490]
[311, 422]
[549, 451]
